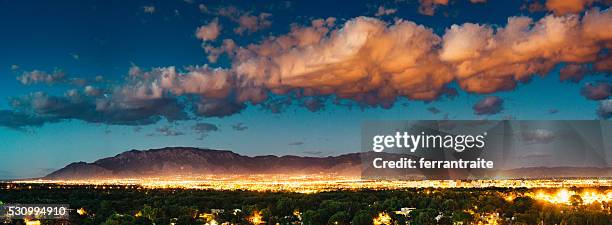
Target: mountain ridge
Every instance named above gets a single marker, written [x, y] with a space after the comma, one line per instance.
[173, 161]
[190, 160]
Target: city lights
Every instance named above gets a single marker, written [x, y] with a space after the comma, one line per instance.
[309, 184]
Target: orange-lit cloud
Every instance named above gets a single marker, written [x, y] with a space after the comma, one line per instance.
[561, 7]
[209, 32]
[372, 62]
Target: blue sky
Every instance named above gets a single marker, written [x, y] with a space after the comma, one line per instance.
[104, 39]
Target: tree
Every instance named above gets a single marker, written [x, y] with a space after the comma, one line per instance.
[362, 218]
[575, 200]
[312, 217]
[341, 217]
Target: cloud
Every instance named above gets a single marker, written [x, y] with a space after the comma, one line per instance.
[247, 21]
[433, 110]
[296, 143]
[92, 91]
[209, 32]
[428, 7]
[239, 127]
[599, 91]
[204, 128]
[313, 104]
[604, 64]
[573, 72]
[251, 23]
[489, 106]
[75, 56]
[19, 120]
[137, 129]
[538, 136]
[561, 7]
[168, 131]
[213, 52]
[604, 110]
[534, 6]
[365, 61]
[37, 76]
[382, 11]
[39, 108]
[148, 9]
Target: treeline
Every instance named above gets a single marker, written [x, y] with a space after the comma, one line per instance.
[117, 205]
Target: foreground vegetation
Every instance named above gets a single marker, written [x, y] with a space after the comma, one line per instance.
[136, 205]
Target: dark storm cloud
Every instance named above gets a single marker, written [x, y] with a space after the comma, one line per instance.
[39, 108]
[599, 91]
[433, 110]
[488, 106]
[20, 120]
[239, 127]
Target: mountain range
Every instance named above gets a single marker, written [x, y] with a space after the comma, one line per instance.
[188, 161]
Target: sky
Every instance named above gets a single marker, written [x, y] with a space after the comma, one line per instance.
[83, 80]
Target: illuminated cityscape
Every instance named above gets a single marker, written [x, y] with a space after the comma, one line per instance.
[313, 183]
[571, 195]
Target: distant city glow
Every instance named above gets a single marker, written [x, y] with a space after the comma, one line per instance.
[320, 183]
[564, 196]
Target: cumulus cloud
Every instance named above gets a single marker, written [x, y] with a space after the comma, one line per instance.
[598, 91]
[365, 61]
[252, 23]
[605, 109]
[383, 11]
[213, 52]
[37, 76]
[489, 106]
[209, 32]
